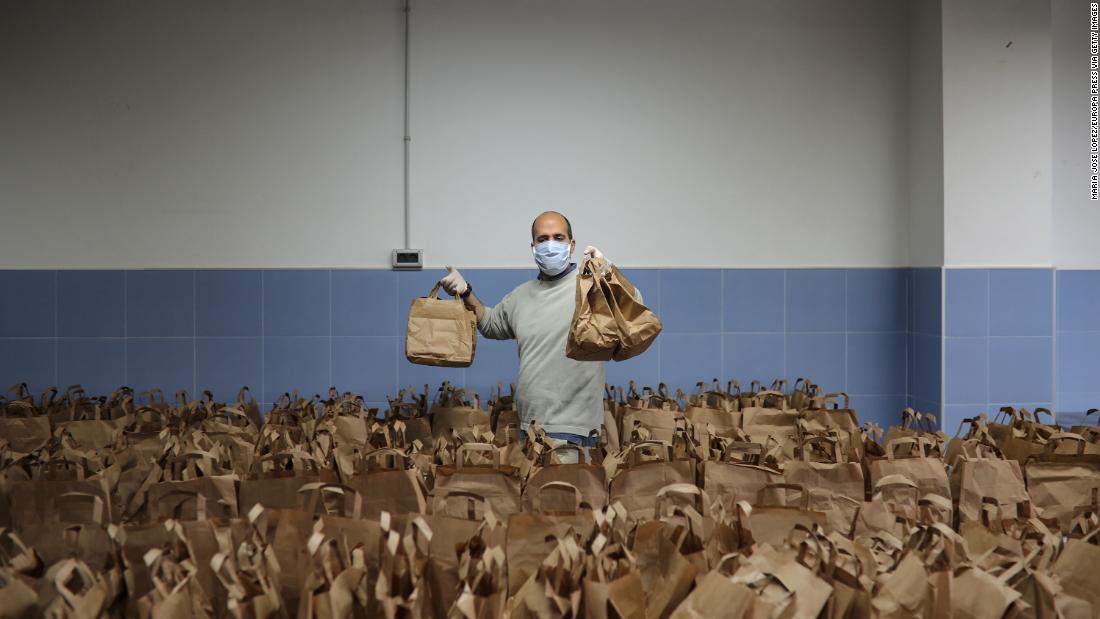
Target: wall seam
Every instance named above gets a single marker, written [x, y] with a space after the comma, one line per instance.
[56, 326]
[988, 331]
[331, 331]
[1054, 340]
[125, 330]
[194, 335]
[722, 322]
[263, 342]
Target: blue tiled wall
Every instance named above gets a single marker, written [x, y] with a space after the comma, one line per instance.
[1077, 342]
[925, 339]
[998, 340]
[275, 330]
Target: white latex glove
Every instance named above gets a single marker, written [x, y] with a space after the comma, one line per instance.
[593, 252]
[453, 282]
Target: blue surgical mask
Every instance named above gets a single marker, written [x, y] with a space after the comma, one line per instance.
[552, 256]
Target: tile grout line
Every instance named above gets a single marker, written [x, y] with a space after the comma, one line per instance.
[942, 338]
[660, 276]
[125, 334]
[56, 326]
[194, 335]
[908, 328]
[396, 386]
[989, 330]
[722, 322]
[1054, 340]
[263, 339]
[845, 330]
[786, 370]
[331, 330]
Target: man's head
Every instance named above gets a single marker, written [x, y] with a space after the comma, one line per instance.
[552, 242]
[552, 225]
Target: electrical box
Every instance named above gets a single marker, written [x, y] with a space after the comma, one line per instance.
[408, 259]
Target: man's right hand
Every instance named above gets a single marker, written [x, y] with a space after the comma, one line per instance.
[453, 282]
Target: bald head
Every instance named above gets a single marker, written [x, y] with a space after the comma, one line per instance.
[551, 225]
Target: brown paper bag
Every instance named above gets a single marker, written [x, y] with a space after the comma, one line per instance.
[440, 333]
[532, 535]
[1077, 567]
[276, 478]
[612, 585]
[336, 586]
[977, 476]
[22, 426]
[642, 476]
[74, 525]
[712, 411]
[32, 501]
[194, 474]
[667, 575]
[716, 595]
[18, 599]
[732, 479]
[388, 481]
[826, 415]
[977, 594]
[401, 589]
[638, 325]
[772, 524]
[589, 479]
[459, 410]
[498, 484]
[1058, 484]
[609, 323]
[70, 589]
[1082, 428]
[835, 474]
[176, 591]
[927, 472]
[657, 413]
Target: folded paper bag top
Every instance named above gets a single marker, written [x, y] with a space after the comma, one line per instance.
[440, 332]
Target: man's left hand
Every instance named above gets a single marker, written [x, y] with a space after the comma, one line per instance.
[592, 252]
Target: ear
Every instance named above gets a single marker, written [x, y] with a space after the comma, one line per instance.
[572, 246]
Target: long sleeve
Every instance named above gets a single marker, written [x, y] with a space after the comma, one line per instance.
[496, 323]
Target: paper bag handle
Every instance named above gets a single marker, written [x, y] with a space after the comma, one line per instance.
[920, 442]
[376, 459]
[1048, 412]
[838, 458]
[747, 447]
[98, 507]
[805, 496]
[831, 398]
[316, 490]
[691, 490]
[581, 456]
[561, 485]
[472, 499]
[662, 448]
[1054, 439]
[463, 449]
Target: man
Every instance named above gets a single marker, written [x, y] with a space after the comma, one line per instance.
[564, 395]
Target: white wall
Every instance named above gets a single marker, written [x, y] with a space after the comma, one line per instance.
[997, 133]
[201, 133]
[925, 178]
[686, 133]
[1076, 217]
[673, 132]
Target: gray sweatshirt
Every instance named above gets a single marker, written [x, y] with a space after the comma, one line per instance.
[562, 394]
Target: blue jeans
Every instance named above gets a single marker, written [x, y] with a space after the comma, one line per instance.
[576, 439]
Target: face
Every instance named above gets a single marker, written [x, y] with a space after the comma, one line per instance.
[552, 227]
